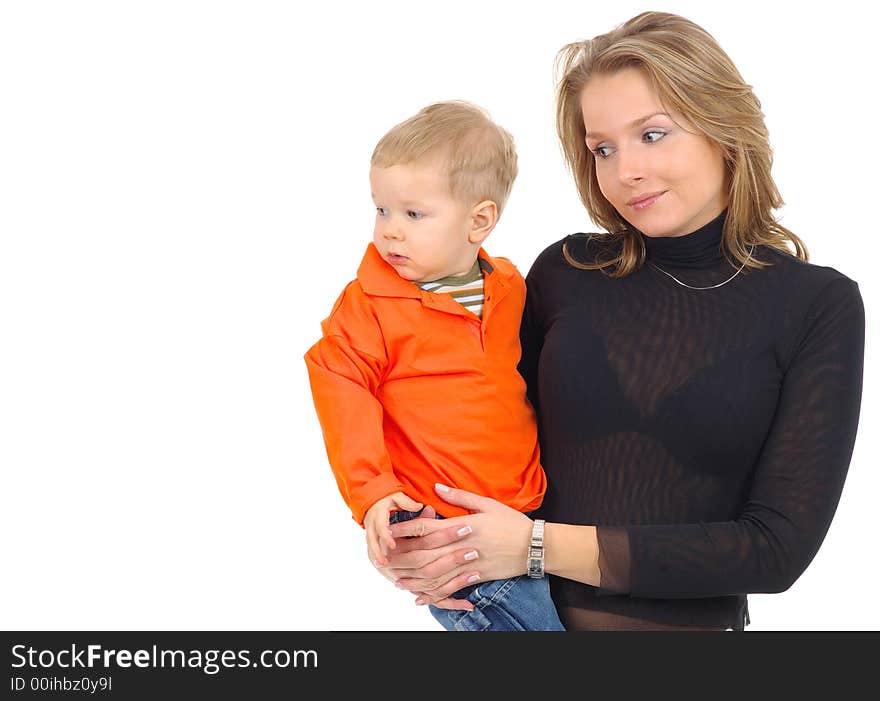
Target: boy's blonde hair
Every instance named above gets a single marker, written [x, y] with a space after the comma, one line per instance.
[693, 75]
[477, 155]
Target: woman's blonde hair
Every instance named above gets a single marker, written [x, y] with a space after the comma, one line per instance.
[693, 76]
[477, 155]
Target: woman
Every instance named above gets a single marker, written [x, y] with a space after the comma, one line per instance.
[697, 386]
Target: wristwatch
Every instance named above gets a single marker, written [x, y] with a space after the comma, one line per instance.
[535, 562]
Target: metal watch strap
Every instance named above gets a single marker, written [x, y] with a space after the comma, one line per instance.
[535, 562]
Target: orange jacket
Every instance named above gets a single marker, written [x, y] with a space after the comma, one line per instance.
[412, 389]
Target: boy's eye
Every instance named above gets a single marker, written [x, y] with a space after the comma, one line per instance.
[380, 211]
[413, 214]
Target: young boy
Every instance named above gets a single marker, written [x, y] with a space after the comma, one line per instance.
[415, 379]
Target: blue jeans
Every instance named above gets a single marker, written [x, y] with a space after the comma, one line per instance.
[519, 603]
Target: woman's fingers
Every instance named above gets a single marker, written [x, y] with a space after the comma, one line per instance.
[388, 574]
[418, 529]
[417, 562]
[438, 572]
[452, 604]
[440, 593]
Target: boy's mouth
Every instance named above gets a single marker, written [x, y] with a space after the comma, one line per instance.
[396, 259]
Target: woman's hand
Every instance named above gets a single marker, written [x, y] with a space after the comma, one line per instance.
[442, 537]
[429, 558]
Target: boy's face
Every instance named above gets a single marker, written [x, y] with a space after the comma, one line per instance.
[421, 230]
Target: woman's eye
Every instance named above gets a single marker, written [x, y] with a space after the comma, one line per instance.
[602, 151]
[656, 134]
[412, 214]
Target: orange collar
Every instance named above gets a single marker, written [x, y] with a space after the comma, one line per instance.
[378, 278]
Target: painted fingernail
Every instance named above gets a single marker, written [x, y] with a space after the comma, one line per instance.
[473, 578]
[420, 602]
[398, 585]
[463, 531]
[441, 487]
[472, 555]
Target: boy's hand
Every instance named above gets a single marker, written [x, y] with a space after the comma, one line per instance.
[379, 540]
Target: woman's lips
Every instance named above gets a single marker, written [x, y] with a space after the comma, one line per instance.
[647, 201]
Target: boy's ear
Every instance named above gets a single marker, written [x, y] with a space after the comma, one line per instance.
[484, 216]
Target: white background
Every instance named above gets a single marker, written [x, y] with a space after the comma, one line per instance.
[183, 194]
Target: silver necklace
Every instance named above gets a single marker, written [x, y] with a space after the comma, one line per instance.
[710, 287]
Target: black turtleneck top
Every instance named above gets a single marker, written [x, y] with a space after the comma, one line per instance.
[706, 433]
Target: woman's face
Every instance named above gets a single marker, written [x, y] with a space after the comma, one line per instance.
[662, 176]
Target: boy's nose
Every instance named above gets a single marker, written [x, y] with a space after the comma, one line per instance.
[393, 234]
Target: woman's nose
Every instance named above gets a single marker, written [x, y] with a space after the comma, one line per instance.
[630, 165]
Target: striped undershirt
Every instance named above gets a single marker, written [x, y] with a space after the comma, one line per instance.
[465, 289]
